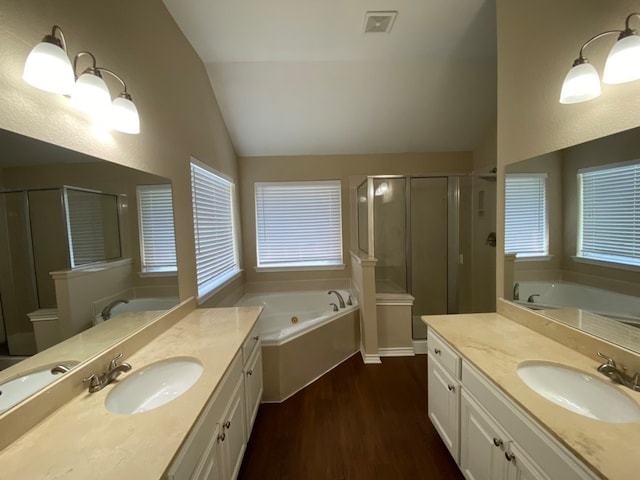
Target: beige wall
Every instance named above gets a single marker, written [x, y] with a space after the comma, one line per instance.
[536, 47]
[259, 169]
[141, 42]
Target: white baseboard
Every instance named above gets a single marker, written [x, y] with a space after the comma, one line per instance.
[368, 357]
[397, 352]
[420, 347]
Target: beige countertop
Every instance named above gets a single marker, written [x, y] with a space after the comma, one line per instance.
[496, 345]
[83, 440]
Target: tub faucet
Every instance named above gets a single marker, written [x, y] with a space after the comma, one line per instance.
[335, 307]
[516, 291]
[611, 370]
[531, 297]
[340, 299]
[98, 381]
[106, 311]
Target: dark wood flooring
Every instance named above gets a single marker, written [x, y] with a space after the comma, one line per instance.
[364, 422]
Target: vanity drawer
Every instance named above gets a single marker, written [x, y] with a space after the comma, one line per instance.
[441, 351]
[252, 340]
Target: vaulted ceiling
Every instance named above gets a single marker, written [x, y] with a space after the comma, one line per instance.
[299, 77]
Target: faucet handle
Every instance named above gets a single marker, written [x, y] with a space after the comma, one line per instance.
[610, 361]
[114, 363]
[349, 302]
[94, 382]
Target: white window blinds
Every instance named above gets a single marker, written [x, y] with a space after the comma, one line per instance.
[609, 214]
[526, 215]
[155, 224]
[214, 224]
[299, 224]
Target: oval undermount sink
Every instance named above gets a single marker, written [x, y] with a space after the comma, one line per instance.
[19, 388]
[579, 392]
[154, 385]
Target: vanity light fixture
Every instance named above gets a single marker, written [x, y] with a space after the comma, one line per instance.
[48, 68]
[582, 82]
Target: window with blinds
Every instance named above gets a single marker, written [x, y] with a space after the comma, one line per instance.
[526, 215]
[214, 224]
[609, 215]
[299, 224]
[155, 225]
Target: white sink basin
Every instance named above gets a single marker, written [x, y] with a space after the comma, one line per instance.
[153, 385]
[579, 392]
[16, 390]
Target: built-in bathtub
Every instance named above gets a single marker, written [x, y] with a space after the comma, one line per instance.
[550, 295]
[303, 337]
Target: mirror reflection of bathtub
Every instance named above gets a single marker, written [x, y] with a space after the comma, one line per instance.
[618, 322]
[61, 291]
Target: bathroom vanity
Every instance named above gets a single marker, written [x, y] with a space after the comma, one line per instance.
[495, 426]
[201, 434]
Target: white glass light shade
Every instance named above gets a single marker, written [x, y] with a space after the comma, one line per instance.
[124, 116]
[623, 62]
[582, 83]
[48, 68]
[91, 95]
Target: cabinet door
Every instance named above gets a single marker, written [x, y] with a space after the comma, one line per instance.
[444, 405]
[234, 437]
[253, 386]
[482, 443]
[209, 468]
[520, 466]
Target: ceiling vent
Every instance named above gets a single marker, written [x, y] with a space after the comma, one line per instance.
[379, 22]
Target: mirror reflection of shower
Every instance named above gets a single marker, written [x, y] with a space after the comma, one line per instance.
[42, 231]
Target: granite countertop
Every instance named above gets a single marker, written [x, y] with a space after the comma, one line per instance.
[84, 440]
[495, 345]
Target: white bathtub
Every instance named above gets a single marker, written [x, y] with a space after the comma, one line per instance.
[290, 314]
[141, 305]
[596, 300]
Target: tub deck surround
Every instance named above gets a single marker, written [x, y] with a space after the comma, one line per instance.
[84, 440]
[496, 345]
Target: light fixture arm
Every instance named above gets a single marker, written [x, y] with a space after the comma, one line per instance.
[53, 38]
[125, 93]
[92, 69]
[581, 58]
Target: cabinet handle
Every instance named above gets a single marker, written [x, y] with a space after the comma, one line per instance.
[227, 424]
[437, 351]
[451, 388]
[250, 372]
[509, 456]
[256, 338]
[497, 442]
[221, 437]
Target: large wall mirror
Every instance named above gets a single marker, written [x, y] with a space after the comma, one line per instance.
[570, 218]
[79, 237]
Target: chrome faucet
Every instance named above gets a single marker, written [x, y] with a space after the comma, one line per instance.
[106, 311]
[340, 299]
[531, 297]
[611, 370]
[516, 291]
[98, 382]
[60, 369]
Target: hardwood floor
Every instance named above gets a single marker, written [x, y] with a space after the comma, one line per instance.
[364, 422]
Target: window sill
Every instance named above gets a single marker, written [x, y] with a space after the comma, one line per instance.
[301, 268]
[536, 258]
[158, 273]
[605, 264]
[213, 291]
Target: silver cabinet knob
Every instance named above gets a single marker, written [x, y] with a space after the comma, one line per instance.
[227, 424]
[451, 388]
[509, 456]
[221, 437]
[256, 338]
[250, 372]
[497, 441]
[437, 351]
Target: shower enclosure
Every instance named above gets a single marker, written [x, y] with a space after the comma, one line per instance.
[412, 226]
[42, 231]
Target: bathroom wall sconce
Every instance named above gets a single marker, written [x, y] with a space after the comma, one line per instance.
[48, 68]
[582, 82]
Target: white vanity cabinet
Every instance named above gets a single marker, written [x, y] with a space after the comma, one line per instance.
[444, 392]
[214, 448]
[497, 439]
[252, 371]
